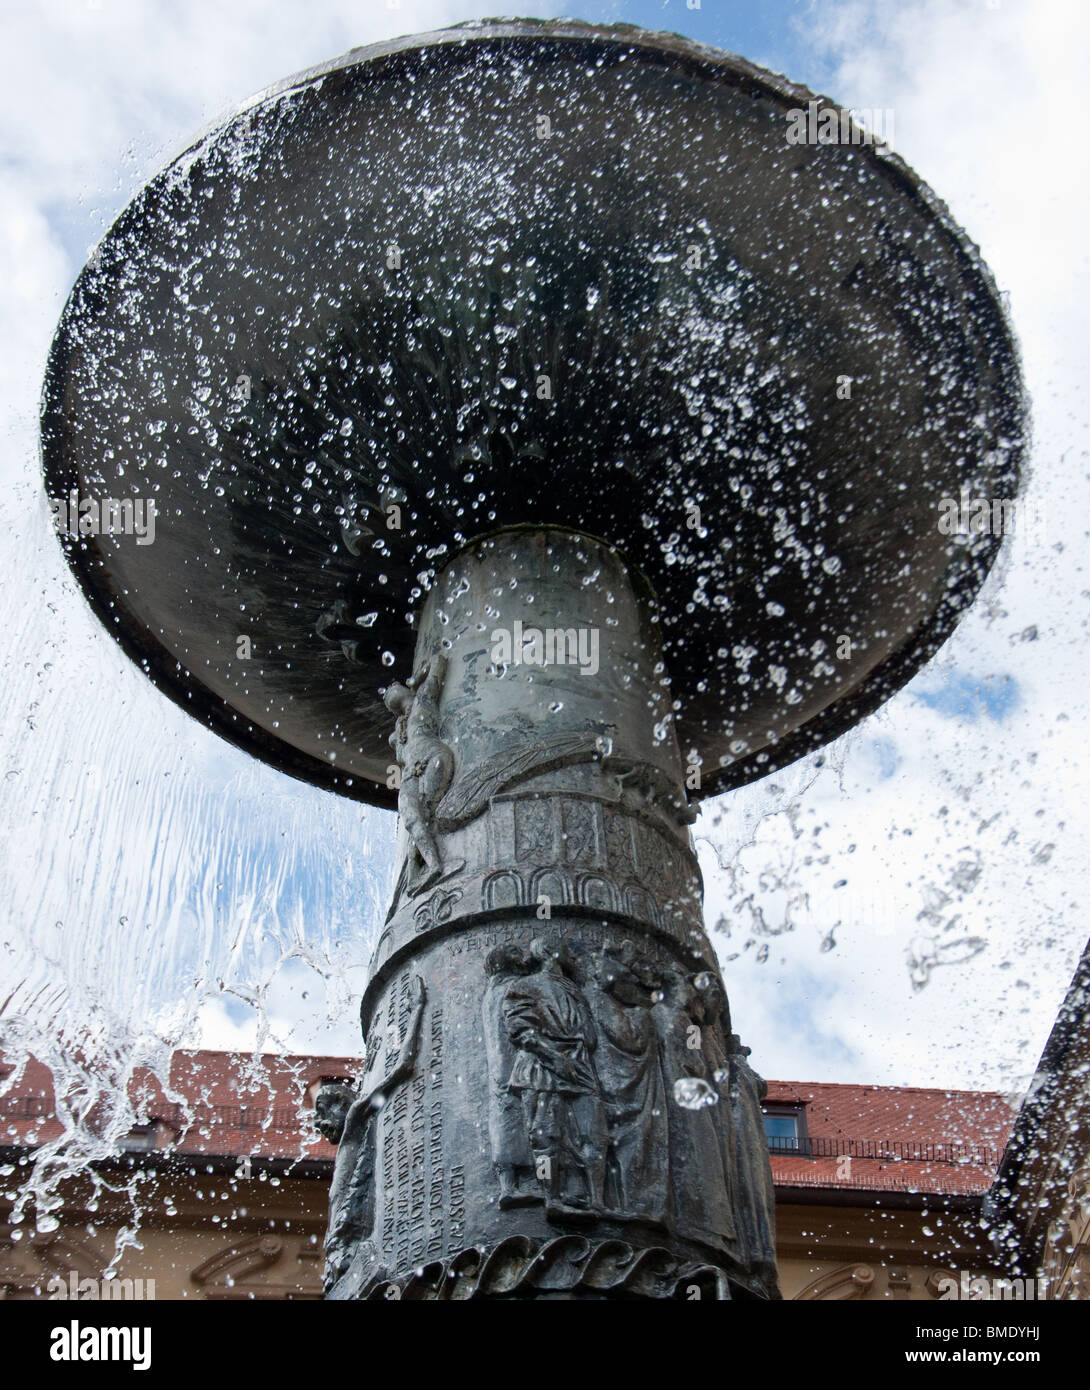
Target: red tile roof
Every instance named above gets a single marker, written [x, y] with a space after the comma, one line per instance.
[216, 1103]
[897, 1138]
[862, 1138]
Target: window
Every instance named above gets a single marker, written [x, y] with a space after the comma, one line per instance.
[785, 1128]
[139, 1138]
[157, 1134]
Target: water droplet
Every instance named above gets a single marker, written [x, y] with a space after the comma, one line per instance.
[694, 1093]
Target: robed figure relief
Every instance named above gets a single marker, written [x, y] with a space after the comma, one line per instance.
[633, 1088]
[699, 1168]
[347, 1119]
[549, 1024]
[507, 1130]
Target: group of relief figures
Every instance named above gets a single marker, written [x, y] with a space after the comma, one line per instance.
[625, 1096]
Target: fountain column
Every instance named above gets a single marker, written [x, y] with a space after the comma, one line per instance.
[554, 1102]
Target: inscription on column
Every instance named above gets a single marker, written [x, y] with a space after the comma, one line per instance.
[436, 1186]
[457, 1204]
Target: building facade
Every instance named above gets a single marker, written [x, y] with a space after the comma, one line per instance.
[880, 1191]
[1039, 1206]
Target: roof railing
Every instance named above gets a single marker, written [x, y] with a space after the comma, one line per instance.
[886, 1150]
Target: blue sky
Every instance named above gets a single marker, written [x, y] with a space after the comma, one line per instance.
[961, 695]
[772, 33]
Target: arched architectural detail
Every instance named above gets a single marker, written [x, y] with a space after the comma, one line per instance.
[839, 1285]
[597, 891]
[504, 888]
[552, 883]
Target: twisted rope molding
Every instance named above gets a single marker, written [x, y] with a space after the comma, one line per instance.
[520, 1266]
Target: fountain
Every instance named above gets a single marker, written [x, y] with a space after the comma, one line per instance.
[530, 431]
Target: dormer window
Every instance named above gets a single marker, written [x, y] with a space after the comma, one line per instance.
[785, 1128]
